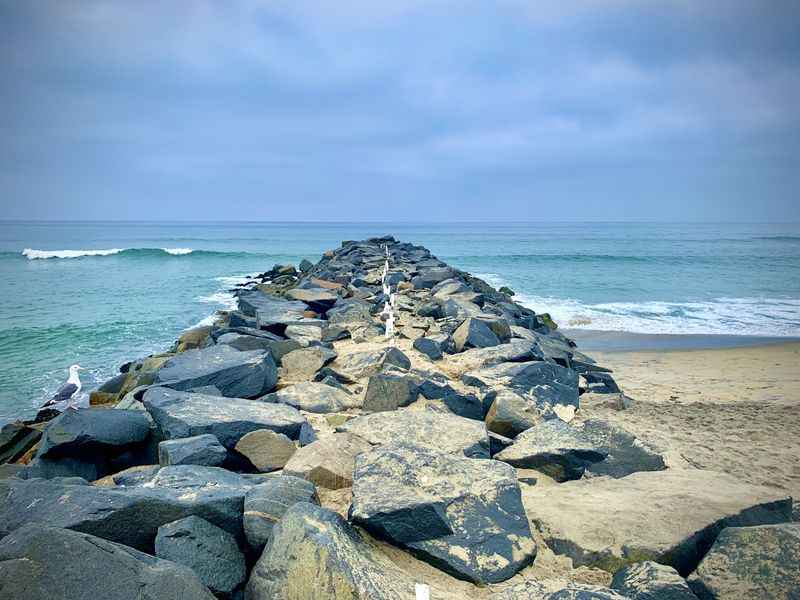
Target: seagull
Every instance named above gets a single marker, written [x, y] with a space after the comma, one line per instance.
[68, 391]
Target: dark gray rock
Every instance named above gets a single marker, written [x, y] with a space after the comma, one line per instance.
[130, 515]
[317, 299]
[430, 277]
[510, 413]
[498, 325]
[349, 312]
[751, 562]
[556, 590]
[245, 343]
[554, 448]
[235, 374]
[601, 383]
[87, 431]
[264, 505]
[626, 454]
[270, 311]
[182, 414]
[47, 563]
[650, 580]
[310, 540]
[305, 266]
[462, 515]
[468, 406]
[304, 335]
[428, 347]
[313, 397]
[474, 333]
[202, 449]
[387, 391]
[548, 383]
[212, 553]
[15, 440]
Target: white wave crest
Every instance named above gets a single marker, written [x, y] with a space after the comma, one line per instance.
[222, 298]
[33, 254]
[178, 251]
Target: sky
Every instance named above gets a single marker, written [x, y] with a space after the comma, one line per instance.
[601, 110]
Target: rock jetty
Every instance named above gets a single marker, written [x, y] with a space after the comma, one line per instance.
[378, 426]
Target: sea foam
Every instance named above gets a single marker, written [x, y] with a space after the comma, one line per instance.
[33, 254]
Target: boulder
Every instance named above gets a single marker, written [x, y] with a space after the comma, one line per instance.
[474, 333]
[650, 580]
[266, 450]
[511, 413]
[88, 431]
[303, 364]
[389, 391]
[633, 518]
[202, 449]
[38, 562]
[370, 362]
[182, 414]
[498, 325]
[305, 265]
[423, 428]
[556, 590]
[751, 562]
[329, 461]
[130, 514]
[554, 448]
[349, 312]
[313, 397]
[463, 405]
[235, 374]
[430, 277]
[462, 515]
[212, 553]
[626, 454]
[304, 335]
[314, 553]
[513, 351]
[317, 299]
[245, 343]
[265, 504]
[428, 347]
[548, 383]
[192, 338]
[270, 311]
[15, 440]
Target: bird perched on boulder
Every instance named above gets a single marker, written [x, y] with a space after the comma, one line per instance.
[66, 393]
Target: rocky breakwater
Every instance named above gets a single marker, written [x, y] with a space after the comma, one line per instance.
[379, 425]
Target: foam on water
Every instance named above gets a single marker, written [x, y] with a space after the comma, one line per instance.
[33, 254]
[178, 251]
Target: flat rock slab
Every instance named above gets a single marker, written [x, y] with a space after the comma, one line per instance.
[196, 450]
[650, 580]
[634, 518]
[370, 362]
[315, 553]
[132, 514]
[751, 562]
[265, 504]
[183, 414]
[270, 310]
[87, 431]
[266, 450]
[234, 373]
[558, 590]
[462, 515]
[212, 553]
[313, 397]
[445, 432]
[555, 448]
[329, 461]
[626, 454]
[44, 563]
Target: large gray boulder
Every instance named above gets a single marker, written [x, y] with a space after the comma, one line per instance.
[429, 347]
[462, 515]
[303, 364]
[511, 413]
[129, 514]
[310, 541]
[554, 448]
[39, 562]
[442, 431]
[212, 553]
[270, 311]
[474, 333]
[313, 397]
[428, 278]
[329, 461]
[370, 362]
[317, 299]
[548, 383]
[650, 580]
[182, 414]
[625, 453]
[266, 450]
[196, 450]
[751, 562]
[265, 505]
[389, 391]
[234, 373]
[633, 518]
[556, 590]
[85, 432]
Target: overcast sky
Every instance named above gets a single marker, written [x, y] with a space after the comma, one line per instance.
[417, 110]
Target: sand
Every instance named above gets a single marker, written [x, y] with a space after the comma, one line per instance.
[735, 410]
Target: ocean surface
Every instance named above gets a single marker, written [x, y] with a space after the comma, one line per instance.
[100, 294]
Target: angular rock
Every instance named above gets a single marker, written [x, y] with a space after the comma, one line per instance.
[430, 277]
[548, 383]
[633, 519]
[498, 325]
[389, 392]
[313, 397]
[554, 448]
[349, 312]
[423, 428]
[650, 580]
[235, 374]
[751, 562]
[371, 362]
[309, 540]
[266, 450]
[202, 449]
[329, 461]
[85, 432]
[182, 414]
[626, 454]
[474, 333]
[129, 515]
[38, 562]
[556, 590]
[462, 515]
[317, 299]
[511, 413]
[245, 343]
[428, 347]
[265, 504]
[15, 440]
[303, 364]
[304, 335]
[212, 553]
[463, 405]
[270, 311]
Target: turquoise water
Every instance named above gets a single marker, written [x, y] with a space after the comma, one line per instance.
[135, 298]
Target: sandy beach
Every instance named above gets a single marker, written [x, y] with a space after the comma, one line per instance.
[728, 409]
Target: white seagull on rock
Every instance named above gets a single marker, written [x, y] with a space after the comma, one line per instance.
[68, 391]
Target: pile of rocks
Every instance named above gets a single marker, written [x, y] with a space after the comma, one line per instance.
[304, 447]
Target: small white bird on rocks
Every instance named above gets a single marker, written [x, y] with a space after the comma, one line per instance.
[68, 391]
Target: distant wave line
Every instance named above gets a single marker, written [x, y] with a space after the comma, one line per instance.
[34, 254]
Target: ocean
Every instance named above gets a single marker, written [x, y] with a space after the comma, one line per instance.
[102, 293]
